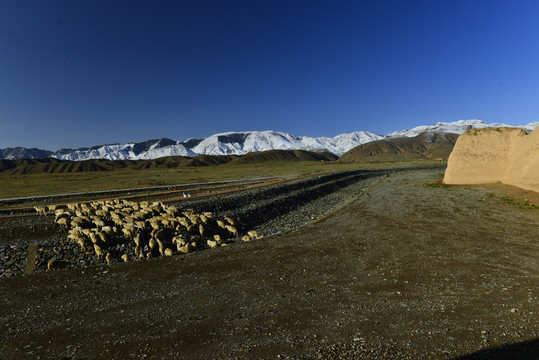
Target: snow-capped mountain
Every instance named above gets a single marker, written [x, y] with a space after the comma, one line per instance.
[457, 127]
[24, 153]
[150, 149]
[239, 143]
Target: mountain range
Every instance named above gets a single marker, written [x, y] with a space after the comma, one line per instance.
[240, 143]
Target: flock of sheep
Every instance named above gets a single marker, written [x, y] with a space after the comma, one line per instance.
[152, 229]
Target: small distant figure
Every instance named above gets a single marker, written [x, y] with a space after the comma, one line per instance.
[186, 194]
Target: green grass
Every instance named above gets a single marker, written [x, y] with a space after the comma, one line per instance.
[49, 183]
[514, 202]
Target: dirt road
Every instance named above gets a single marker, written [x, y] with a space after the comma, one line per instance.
[405, 271]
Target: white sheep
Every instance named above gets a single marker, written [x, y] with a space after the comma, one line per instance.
[221, 224]
[98, 251]
[161, 247]
[94, 238]
[65, 222]
[201, 230]
[232, 230]
[41, 210]
[253, 234]
[184, 249]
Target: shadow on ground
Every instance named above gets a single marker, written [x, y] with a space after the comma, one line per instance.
[526, 350]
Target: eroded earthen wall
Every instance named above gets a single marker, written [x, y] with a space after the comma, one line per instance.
[506, 155]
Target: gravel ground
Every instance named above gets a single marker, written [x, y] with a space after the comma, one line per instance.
[268, 211]
[404, 271]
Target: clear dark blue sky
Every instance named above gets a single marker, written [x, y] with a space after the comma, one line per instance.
[81, 73]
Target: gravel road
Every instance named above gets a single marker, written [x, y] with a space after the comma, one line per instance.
[404, 271]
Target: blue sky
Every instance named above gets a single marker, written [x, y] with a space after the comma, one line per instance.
[82, 73]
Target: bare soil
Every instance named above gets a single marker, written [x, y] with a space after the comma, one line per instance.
[404, 271]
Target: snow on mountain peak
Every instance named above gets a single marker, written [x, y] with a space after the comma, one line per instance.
[242, 142]
[456, 127]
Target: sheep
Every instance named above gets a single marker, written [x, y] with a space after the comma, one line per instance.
[138, 252]
[86, 232]
[232, 230]
[172, 211]
[183, 249]
[193, 218]
[73, 235]
[128, 231]
[246, 238]
[106, 229]
[99, 223]
[217, 238]
[178, 240]
[79, 221]
[221, 224]
[212, 243]
[98, 251]
[151, 243]
[136, 239]
[65, 222]
[161, 247]
[168, 252]
[41, 210]
[125, 257]
[253, 234]
[201, 229]
[129, 219]
[101, 213]
[102, 236]
[183, 221]
[81, 242]
[52, 207]
[108, 258]
[61, 214]
[230, 221]
[94, 238]
[158, 234]
[208, 214]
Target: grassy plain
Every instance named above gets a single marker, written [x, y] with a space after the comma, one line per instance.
[60, 183]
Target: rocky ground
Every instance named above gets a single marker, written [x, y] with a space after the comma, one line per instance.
[269, 210]
[406, 270]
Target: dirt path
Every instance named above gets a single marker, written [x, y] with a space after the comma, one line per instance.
[406, 271]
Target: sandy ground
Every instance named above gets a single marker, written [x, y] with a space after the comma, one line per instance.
[405, 271]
